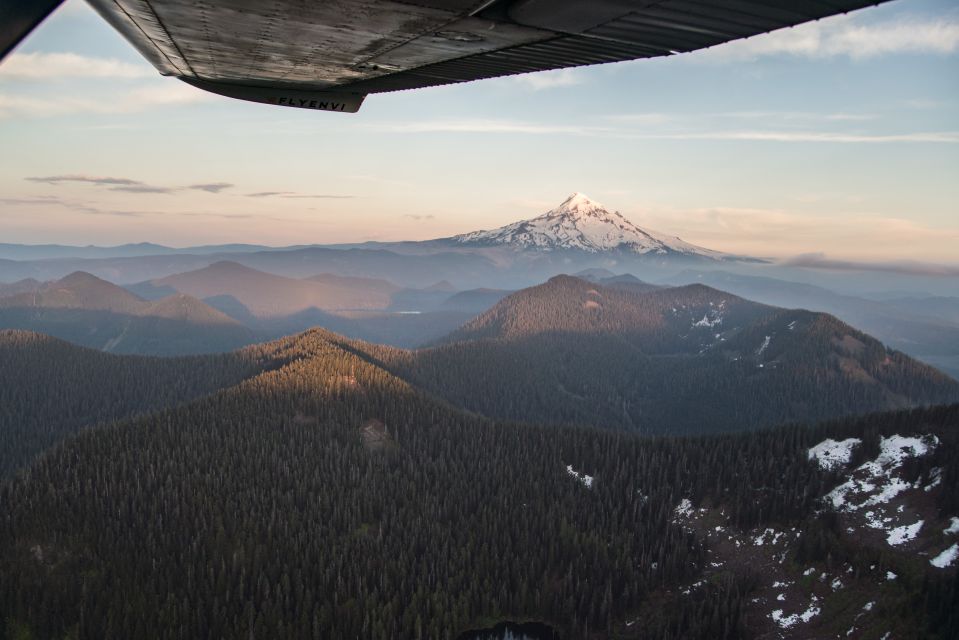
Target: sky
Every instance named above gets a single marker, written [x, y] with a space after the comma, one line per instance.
[838, 138]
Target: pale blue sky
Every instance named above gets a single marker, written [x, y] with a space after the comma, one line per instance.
[841, 136]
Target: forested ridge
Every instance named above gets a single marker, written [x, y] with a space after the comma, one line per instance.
[265, 511]
[49, 389]
[684, 360]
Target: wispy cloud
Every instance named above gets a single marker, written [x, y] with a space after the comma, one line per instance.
[655, 118]
[769, 126]
[265, 194]
[143, 188]
[847, 36]
[123, 213]
[211, 187]
[83, 207]
[420, 216]
[549, 79]
[483, 126]
[111, 102]
[797, 116]
[31, 200]
[923, 103]
[318, 196]
[48, 66]
[76, 177]
[72, 205]
[649, 126]
[293, 194]
[128, 185]
[647, 118]
[943, 137]
[112, 183]
[906, 267]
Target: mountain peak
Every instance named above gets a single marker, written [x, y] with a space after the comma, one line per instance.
[79, 278]
[582, 224]
[579, 203]
[79, 290]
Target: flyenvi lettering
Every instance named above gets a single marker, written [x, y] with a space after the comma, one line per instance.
[306, 103]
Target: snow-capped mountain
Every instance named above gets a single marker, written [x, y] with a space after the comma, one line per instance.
[581, 223]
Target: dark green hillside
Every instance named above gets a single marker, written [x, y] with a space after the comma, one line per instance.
[267, 511]
[49, 389]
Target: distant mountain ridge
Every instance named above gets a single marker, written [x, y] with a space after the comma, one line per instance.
[12, 251]
[240, 305]
[579, 223]
[678, 360]
[902, 325]
[267, 294]
[78, 290]
[92, 312]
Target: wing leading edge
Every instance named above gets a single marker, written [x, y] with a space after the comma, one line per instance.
[329, 55]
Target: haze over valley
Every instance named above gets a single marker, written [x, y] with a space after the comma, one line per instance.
[409, 294]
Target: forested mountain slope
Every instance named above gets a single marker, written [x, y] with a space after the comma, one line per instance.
[921, 327]
[20, 286]
[79, 290]
[95, 313]
[327, 498]
[683, 360]
[50, 389]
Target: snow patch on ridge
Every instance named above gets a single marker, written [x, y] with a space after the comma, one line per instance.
[946, 558]
[786, 622]
[684, 509]
[870, 488]
[905, 533]
[831, 454]
[764, 345]
[587, 480]
[709, 322]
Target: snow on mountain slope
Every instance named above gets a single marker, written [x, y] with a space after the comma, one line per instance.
[831, 597]
[580, 223]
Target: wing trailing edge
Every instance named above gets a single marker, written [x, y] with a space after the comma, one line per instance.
[329, 55]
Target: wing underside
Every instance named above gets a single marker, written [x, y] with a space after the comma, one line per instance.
[329, 55]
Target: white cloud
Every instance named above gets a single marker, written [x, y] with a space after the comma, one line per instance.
[48, 66]
[549, 79]
[947, 137]
[632, 126]
[654, 118]
[846, 36]
[38, 105]
[798, 115]
[483, 126]
[649, 118]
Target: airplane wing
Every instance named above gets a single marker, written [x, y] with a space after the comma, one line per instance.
[19, 17]
[328, 55]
